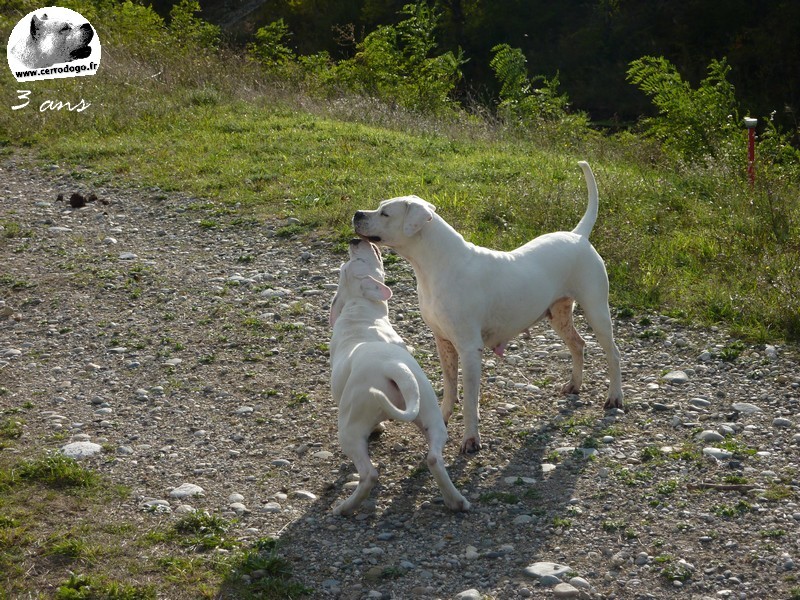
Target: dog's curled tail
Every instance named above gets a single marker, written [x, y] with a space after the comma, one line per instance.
[405, 381]
[586, 224]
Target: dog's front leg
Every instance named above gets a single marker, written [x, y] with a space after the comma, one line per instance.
[471, 373]
[448, 357]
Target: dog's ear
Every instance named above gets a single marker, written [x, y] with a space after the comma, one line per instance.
[418, 213]
[374, 290]
[36, 25]
[336, 310]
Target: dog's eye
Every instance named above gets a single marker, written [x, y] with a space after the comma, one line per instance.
[65, 28]
[384, 213]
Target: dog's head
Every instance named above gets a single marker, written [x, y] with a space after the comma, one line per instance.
[360, 277]
[59, 41]
[394, 221]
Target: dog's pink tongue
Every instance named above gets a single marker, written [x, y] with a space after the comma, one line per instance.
[500, 349]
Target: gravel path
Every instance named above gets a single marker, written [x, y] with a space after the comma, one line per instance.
[188, 344]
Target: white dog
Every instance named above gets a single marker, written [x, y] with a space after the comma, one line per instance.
[53, 41]
[374, 378]
[472, 297]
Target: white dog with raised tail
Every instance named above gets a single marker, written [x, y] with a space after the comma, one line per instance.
[474, 298]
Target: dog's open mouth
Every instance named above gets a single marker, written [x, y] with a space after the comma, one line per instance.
[80, 53]
[375, 239]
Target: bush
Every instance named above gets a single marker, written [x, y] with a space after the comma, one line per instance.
[696, 125]
[522, 103]
[394, 63]
[269, 47]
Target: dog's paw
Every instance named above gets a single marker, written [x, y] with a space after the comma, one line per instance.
[458, 504]
[613, 402]
[471, 445]
[342, 510]
[569, 389]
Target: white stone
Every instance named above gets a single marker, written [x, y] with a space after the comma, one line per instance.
[186, 490]
[540, 569]
[79, 450]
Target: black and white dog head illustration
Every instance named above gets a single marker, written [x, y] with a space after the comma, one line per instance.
[53, 41]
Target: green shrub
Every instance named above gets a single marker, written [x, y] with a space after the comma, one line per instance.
[394, 64]
[269, 47]
[697, 125]
[524, 104]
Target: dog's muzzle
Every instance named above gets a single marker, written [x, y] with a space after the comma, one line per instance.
[359, 218]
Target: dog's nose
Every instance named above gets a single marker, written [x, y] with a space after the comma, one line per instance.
[359, 216]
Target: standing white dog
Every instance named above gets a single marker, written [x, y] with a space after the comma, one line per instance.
[472, 297]
[374, 378]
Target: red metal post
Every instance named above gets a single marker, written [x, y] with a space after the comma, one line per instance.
[751, 149]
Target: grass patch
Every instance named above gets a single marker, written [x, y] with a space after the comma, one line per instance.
[57, 517]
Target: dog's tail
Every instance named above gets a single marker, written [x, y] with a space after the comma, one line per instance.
[584, 228]
[405, 381]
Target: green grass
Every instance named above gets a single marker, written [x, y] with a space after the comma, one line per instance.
[692, 241]
[58, 533]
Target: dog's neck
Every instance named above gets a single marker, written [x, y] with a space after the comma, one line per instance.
[365, 321]
[436, 238]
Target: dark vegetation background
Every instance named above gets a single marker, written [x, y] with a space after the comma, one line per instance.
[588, 43]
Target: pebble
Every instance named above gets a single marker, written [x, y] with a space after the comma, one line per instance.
[80, 450]
[676, 377]
[717, 453]
[781, 422]
[470, 594]
[304, 495]
[745, 408]
[155, 505]
[186, 490]
[128, 256]
[710, 436]
[565, 590]
[540, 569]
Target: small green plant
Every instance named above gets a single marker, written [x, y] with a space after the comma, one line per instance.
[732, 351]
[10, 429]
[735, 510]
[82, 587]
[57, 471]
[202, 531]
[676, 572]
[777, 492]
[499, 497]
[611, 525]
[562, 522]
[739, 449]
[668, 487]
[773, 533]
[651, 453]
[268, 574]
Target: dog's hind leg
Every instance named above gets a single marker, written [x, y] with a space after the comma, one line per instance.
[357, 450]
[560, 315]
[599, 319]
[448, 357]
[437, 436]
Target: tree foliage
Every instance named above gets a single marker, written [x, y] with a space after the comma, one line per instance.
[697, 124]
